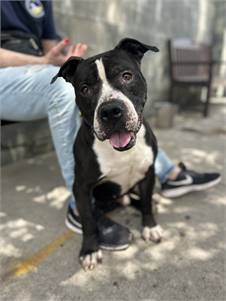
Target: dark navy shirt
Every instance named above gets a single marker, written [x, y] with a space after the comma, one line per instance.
[29, 16]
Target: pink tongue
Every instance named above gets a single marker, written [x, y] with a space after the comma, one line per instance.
[120, 139]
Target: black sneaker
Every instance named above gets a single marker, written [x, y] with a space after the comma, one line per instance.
[188, 181]
[112, 236]
[73, 221]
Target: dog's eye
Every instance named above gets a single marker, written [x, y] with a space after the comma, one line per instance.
[85, 90]
[127, 76]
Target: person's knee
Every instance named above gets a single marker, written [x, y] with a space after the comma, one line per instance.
[62, 93]
[59, 91]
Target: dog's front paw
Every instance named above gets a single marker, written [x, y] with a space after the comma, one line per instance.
[125, 200]
[90, 260]
[154, 234]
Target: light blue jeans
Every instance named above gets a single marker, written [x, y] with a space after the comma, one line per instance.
[26, 94]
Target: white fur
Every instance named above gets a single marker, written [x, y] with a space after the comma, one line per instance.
[108, 93]
[90, 261]
[155, 233]
[124, 168]
[125, 200]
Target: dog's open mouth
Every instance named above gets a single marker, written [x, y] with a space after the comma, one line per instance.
[122, 140]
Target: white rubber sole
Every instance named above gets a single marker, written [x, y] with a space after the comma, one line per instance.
[177, 192]
[69, 226]
[119, 248]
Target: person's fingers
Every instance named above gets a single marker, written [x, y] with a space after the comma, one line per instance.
[80, 49]
[60, 46]
[76, 49]
[70, 51]
[83, 48]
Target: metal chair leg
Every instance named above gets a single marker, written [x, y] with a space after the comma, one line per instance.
[206, 105]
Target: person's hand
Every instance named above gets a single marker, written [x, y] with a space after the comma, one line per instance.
[56, 56]
[77, 50]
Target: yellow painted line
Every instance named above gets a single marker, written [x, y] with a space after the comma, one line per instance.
[37, 258]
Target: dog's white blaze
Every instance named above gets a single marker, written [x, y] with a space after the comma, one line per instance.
[108, 93]
[101, 70]
[124, 168]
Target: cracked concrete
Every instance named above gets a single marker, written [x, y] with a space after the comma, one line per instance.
[39, 255]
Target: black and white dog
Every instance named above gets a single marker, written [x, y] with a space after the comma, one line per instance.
[114, 145]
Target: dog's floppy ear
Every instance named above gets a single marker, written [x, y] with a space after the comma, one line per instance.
[67, 70]
[136, 48]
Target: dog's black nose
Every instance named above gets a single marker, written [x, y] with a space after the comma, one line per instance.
[111, 112]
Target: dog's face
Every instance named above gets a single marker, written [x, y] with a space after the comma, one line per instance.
[111, 91]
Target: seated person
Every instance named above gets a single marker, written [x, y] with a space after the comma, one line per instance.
[26, 94]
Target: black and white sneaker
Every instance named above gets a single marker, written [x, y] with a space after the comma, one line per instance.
[73, 221]
[188, 181]
[112, 236]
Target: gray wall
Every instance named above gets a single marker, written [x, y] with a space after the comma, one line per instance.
[102, 23]
[219, 30]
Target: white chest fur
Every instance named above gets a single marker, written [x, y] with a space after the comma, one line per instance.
[124, 168]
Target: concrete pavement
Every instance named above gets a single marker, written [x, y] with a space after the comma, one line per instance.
[39, 255]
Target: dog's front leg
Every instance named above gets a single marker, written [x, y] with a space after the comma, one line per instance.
[151, 230]
[90, 253]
